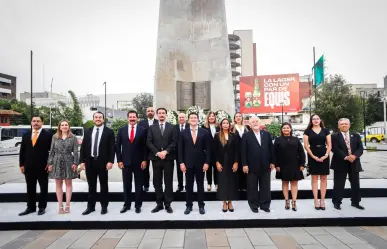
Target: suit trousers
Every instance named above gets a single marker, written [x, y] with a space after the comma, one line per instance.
[127, 176]
[160, 168]
[146, 175]
[190, 176]
[93, 170]
[339, 178]
[263, 198]
[32, 177]
[179, 173]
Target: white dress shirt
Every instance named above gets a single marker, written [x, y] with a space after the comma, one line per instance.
[33, 132]
[93, 138]
[181, 127]
[258, 136]
[213, 130]
[240, 130]
[196, 129]
[151, 121]
[130, 130]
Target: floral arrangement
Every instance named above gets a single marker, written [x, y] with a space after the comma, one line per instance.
[172, 117]
[220, 114]
[199, 111]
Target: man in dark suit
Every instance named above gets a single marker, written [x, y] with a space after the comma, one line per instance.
[131, 157]
[161, 143]
[179, 128]
[34, 151]
[97, 157]
[258, 161]
[347, 149]
[194, 158]
[146, 123]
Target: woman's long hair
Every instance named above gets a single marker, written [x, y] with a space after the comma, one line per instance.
[310, 125]
[207, 122]
[234, 126]
[222, 137]
[59, 132]
[291, 128]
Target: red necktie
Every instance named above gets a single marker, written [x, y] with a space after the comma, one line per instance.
[132, 134]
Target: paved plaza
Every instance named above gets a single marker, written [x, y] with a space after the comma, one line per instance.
[255, 238]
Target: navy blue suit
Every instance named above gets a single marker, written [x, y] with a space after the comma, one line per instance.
[132, 155]
[194, 156]
[144, 123]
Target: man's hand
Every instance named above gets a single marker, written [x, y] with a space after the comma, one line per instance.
[272, 167]
[22, 169]
[351, 158]
[74, 167]
[235, 167]
[219, 167]
[82, 166]
[183, 168]
[143, 165]
[205, 167]
[302, 168]
[162, 155]
[121, 165]
[246, 169]
[278, 169]
[47, 168]
[109, 166]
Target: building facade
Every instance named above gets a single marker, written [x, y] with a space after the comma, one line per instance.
[7, 86]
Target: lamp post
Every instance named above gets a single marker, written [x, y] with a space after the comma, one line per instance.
[363, 95]
[105, 99]
[282, 112]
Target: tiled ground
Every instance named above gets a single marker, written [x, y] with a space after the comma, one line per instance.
[268, 238]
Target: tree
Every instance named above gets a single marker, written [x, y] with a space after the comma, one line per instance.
[117, 124]
[374, 109]
[335, 101]
[274, 129]
[76, 115]
[5, 104]
[88, 124]
[141, 102]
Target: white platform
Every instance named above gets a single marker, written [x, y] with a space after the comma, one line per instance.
[81, 186]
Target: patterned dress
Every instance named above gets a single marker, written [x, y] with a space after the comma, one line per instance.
[63, 154]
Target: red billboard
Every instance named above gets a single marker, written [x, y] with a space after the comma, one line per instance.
[267, 93]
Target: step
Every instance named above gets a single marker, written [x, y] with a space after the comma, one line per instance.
[374, 215]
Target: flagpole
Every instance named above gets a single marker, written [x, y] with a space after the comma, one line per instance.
[314, 77]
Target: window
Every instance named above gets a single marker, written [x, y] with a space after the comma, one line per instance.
[3, 120]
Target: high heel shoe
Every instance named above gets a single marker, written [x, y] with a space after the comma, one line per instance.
[287, 204]
[294, 206]
[61, 211]
[230, 209]
[316, 207]
[223, 209]
[322, 207]
[67, 209]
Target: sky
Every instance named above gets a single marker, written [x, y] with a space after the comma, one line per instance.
[81, 44]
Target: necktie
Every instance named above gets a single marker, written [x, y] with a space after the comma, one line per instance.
[194, 136]
[347, 143]
[162, 129]
[95, 149]
[132, 134]
[181, 128]
[34, 138]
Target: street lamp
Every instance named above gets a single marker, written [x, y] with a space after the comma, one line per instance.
[105, 98]
[363, 95]
[282, 114]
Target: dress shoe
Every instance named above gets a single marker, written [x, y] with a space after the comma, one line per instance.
[41, 211]
[337, 206]
[254, 210]
[124, 209]
[357, 206]
[267, 210]
[146, 189]
[188, 210]
[202, 211]
[138, 210]
[169, 210]
[104, 210]
[88, 211]
[179, 189]
[157, 209]
[27, 211]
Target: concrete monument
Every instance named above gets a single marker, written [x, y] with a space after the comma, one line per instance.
[193, 59]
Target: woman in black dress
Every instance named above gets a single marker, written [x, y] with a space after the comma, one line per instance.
[212, 127]
[290, 161]
[317, 142]
[239, 129]
[227, 157]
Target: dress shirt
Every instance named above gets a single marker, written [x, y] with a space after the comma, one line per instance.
[130, 130]
[196, 129]
[151, 121]
[33, 132]
[181, 127]
[240, 130]
[213, 130]
[93, 138]
[258, 136]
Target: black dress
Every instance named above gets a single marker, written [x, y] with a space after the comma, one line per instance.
[227, 155]
[241, 175]
[290, 156]
[317, 144]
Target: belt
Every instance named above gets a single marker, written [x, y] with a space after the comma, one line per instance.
[94, 158]
[319, 145]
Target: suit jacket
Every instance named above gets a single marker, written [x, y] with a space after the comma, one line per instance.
[340, 151]
[177, 128]
[212, 141]
[106, 149]
[157, 142]
[231, 149]
[35, 158]
[257, 157]
[144, 123]
[131, 153]
[194, 155]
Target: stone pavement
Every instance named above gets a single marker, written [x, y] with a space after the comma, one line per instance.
[268, 238]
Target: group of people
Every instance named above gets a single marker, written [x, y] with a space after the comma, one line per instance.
[233, 156]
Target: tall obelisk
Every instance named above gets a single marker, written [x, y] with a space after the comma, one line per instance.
[193, 58]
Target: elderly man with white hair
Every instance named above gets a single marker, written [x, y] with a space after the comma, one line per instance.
[258, 161]
[347, 149]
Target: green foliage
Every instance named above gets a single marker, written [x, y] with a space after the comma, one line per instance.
[374, 109]
[141, 102]
[89, 124]
[117, 124]
[335, 101]
[75, 115]
[274, 129]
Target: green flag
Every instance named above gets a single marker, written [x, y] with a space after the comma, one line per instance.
[319, 72]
